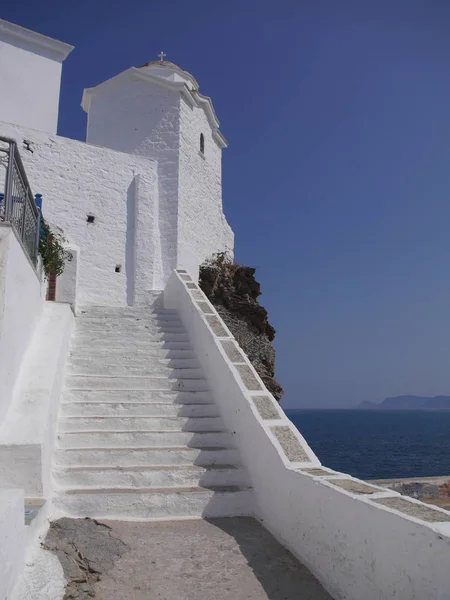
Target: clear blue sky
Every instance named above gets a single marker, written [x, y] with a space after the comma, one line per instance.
[337, 178]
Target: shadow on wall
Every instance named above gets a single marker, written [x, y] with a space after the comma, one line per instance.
[280, 574]
[130, 257]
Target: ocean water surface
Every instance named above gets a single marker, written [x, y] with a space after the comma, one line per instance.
[378, 444]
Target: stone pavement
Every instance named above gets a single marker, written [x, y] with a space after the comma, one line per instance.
[217, 559]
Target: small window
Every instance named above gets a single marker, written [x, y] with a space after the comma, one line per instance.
[202, 143]
[118, 268]
[90, 218]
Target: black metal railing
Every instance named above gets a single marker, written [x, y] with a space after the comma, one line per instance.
[17, 204]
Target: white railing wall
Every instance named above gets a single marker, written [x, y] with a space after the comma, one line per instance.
[360, 540]
[22, 297]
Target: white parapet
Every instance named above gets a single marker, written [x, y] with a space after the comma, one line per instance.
[21, 302]
[361, 541]
[27, 433]
[12, 539]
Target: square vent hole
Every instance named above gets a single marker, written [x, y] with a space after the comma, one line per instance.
[118, 268]
[90, 219]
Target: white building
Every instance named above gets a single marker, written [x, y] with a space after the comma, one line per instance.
[143, 195]
[30, 70]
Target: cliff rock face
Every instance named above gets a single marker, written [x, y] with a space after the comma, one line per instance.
[234, 292]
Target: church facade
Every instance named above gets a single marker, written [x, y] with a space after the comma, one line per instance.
[143, 194]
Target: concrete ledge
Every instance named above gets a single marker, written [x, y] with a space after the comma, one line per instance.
[416, 509]
[266, 406]
[12, 539]
[290, 444]
[27, 433]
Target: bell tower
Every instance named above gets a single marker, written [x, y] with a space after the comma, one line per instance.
[157, 111]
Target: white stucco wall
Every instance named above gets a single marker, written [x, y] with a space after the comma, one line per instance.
[332, 522]
[27, 434]
[67, 282]
[30, 85]
[77, 180]
[129, 115]
[21, 302]
[12, 540]
[140, 117]
[202, 227]
[30, 75]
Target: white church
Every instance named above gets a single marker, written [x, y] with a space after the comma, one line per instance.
[143, 195]
[123, 395]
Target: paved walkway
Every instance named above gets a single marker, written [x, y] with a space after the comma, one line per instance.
[233, 559]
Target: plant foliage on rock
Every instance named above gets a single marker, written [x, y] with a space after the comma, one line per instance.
[234, 291]
[52, 251]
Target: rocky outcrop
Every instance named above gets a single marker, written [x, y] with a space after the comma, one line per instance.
[234, 291]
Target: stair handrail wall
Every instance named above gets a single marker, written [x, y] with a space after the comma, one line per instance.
[17, 203]
[360, 540]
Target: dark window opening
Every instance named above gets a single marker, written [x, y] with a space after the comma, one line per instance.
[90, 218]
[118, 268]
[202, 143]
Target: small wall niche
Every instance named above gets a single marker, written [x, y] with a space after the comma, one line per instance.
[118, 269]
[90, 219]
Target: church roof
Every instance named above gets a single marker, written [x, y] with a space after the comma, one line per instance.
[37, 42]
[162, 63]
[172, 76]
[171, 65]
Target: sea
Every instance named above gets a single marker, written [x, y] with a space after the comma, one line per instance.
[378, 444]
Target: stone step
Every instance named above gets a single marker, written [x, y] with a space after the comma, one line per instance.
[154, 349]
[144, 476]
[138, 339]
[145, 438]
[131, 457]
[180, 397]
[142, 505]
[128, 326]
[130, 361]
[108, 318]
[123, 311]
[151, 370]
[137, 409]
[91, 382]
[139, 436]
[131, 424]
[125, 315]
[126, 345]
[132, 330]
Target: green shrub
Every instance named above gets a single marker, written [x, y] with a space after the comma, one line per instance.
[52, 251]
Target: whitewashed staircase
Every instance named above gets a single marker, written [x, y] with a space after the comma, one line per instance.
[139, 436]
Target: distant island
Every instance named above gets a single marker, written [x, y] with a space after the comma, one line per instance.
[409, 403]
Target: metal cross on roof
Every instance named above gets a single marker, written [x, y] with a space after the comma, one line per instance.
[161, 56]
